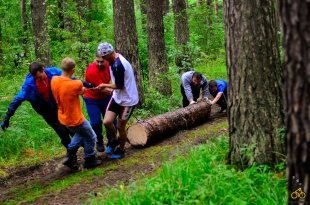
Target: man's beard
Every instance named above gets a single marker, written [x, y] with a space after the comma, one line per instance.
[101, 66]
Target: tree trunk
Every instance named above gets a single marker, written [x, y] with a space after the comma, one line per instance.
[24, 22]
[81, 8]
[166, 7]
[158, 66]
[61, 17]
[209, 18]
[296, 24]
[216, 7]
[65, 20]
[162, 126]
[210, 8]
[39, 25]
[126, 39]
[181, 33]
[89, 4]
[143, 10]
[255, 82]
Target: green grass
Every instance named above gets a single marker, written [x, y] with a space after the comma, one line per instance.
[33, 190]
[202, 177]
[29, 139]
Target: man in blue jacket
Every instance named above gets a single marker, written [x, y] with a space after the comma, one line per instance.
[36, 89]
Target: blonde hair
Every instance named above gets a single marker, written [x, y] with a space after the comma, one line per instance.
[67, 64]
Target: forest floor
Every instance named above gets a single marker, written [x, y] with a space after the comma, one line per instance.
[53, 183]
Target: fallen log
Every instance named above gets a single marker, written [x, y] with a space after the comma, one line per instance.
[162, 126]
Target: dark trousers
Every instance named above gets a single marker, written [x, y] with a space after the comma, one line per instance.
[222, 102]
[96, 110]
[50, 115]
[195, 93]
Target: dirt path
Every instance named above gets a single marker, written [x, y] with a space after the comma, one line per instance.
[52, 183]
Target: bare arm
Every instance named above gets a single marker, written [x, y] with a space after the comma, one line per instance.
[103, 86]
[217, 97]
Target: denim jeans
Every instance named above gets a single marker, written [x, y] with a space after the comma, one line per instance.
[96, 110]
[84, 135]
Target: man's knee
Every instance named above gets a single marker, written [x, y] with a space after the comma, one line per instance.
[107, 122]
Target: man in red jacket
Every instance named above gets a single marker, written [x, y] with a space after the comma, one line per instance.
[96, 101]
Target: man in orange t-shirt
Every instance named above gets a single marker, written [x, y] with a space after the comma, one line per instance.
[66, 93]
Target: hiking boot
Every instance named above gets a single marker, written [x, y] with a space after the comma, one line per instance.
[100, 147]
[117, 154]
[91, 162]
[71, 160]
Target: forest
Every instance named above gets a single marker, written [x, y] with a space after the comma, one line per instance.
[255, 152]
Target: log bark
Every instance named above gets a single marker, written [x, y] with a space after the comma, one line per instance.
[162, 126]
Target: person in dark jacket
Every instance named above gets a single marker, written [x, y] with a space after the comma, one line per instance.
[36, 89]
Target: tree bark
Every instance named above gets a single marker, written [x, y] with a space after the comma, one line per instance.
[143, 10]
[255, 82]
[61, 16]
[181, 34]
[81, 8]
[216, 7]
[295, 19]
[158, 66]
[210, 9]
[166, 7]
[126, 38]
[89, 4]
[24, 22]
[162, 126]
[39, 25]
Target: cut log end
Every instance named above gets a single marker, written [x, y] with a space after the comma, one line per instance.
[137, 135]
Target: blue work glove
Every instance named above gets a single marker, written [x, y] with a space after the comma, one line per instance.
[5, 123]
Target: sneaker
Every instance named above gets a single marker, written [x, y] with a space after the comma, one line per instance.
[92, 162]
[100, 147]
[109, 150]
[111, 147]
[117, 154]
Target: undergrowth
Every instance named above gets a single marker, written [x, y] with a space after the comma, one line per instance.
[202, 177]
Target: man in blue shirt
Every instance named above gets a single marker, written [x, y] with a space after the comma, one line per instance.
[36, 89]
[218, 89]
